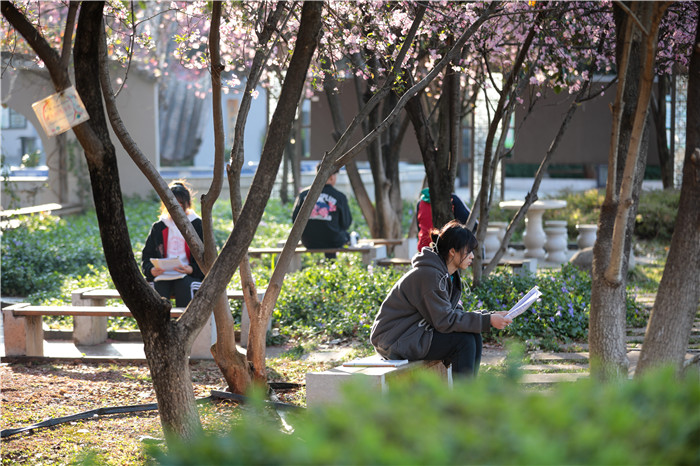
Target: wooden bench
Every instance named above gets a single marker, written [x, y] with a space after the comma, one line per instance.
[325, 387]
[369, 253]
[24, 333]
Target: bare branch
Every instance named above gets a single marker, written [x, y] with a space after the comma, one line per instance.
[68, 33]
[143, 163]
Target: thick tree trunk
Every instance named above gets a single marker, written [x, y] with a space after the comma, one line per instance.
[659, 114]
[330, 88]
[167, 346]
[678, 296]
[635, 56]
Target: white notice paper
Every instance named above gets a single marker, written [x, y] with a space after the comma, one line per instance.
[169, 266]
[524, 303]
[60, 112]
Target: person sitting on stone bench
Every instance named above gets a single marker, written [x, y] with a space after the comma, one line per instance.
[422, 317]
[165, 241]
[329, 221]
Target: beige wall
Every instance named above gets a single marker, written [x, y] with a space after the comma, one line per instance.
[322, 127]
[137, 104]
[587, 140]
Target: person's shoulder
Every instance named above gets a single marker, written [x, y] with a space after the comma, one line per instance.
[303, 193]
[336, 192]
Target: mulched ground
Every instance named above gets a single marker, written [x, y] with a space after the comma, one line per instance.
[34, 391]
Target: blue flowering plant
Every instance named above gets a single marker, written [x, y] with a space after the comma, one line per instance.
[559, 316]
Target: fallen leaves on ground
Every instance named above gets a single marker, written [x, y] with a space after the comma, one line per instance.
[35, 391]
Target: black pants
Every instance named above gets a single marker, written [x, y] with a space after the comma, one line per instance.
[182, 289]
[462, 350]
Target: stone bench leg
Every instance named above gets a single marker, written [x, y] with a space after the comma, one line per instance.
[24, 336]
[201, 348]
[407, 249]
[528, 267]
[373, 254]
[88, 330]
[245, 321]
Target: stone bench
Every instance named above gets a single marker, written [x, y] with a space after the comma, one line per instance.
[93, 330]
[325, 387]
[370, 253]
[24, 331]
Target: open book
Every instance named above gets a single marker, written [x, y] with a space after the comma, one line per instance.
[524, 303]
[169, 266]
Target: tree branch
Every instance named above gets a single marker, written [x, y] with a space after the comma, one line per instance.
[143, 163]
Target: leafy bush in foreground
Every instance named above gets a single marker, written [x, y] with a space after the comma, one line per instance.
[490, 420]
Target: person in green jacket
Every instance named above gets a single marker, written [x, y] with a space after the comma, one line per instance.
[422, 317]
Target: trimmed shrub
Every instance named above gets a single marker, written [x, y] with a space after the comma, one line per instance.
[656, 215]
[335, 299]
[490, 420]
[560, 315]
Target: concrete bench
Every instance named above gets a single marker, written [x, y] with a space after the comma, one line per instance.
[8, 218]
[401, 247]
[325, 387]
[93, 330]
[24, 333]
[370, 253]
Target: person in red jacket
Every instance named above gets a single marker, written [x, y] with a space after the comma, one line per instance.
[424, 216]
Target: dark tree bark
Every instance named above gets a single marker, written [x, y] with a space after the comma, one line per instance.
[635, 57]
[676, 304]
[167, 343]
[658, 108]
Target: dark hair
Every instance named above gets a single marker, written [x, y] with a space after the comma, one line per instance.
[181, 193]
[453, 235]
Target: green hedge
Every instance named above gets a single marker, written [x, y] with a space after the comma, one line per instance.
[333, 299]
[491, 420]
[340, 299]
[559, 316]
[656, 215]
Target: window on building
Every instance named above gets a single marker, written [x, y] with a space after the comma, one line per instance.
[12, 119]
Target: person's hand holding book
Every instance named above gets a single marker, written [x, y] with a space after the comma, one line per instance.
[499, 320]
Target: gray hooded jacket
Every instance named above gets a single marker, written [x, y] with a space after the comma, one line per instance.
[427, 298]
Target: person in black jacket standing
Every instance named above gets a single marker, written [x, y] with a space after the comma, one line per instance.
[166, 242]
[329, 220]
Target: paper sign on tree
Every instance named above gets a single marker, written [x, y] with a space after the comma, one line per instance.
[60, 112]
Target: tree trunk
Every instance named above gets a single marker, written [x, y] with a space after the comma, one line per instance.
[491, 161]
[280, 125]
[659, 117]
[167, 346]
[677, 299]
[330, 89]
[635, 54]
